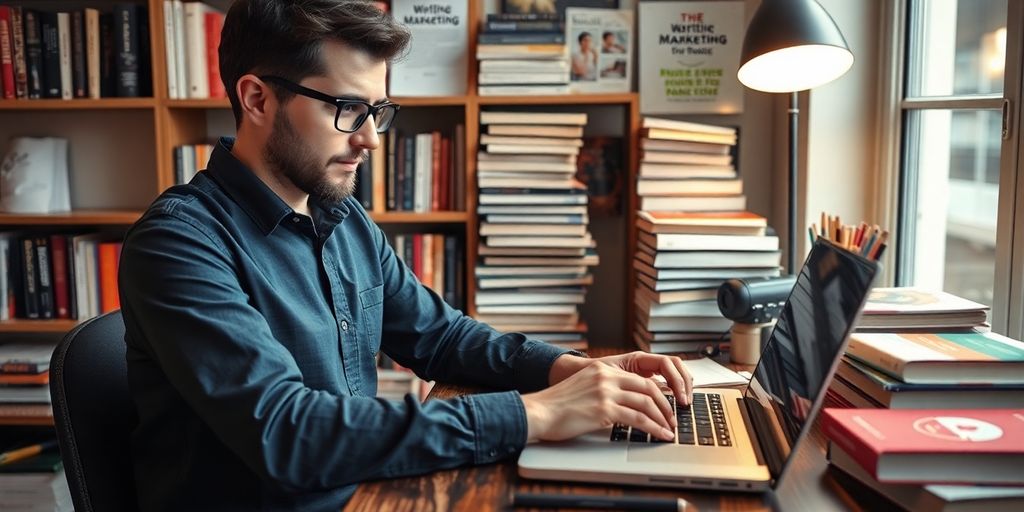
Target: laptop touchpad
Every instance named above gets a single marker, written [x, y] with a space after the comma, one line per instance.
[675, 453]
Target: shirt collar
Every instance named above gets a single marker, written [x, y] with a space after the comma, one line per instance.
[264, 206]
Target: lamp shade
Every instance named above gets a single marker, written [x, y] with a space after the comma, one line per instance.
[792, 45]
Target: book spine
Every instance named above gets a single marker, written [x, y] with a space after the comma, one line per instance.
[876, 358]
[64, 55]
[108, 76]
[51, 55]
[59, 260]
[92, 52]
[5, 281]
[449, 270]
[44, 283]
[72, 276]
[18, 40]
[126, 41]
[33, 54]
[6, 54]
[30, 294]
[181, 73]
[214, 23]
[13, 367]
[79, 81]
[409, 173]
[444, 187]
[389, 168]
[435, 171]
[108, 255]
[520, 26]
[521, 38]
[838, 433]
[170, 54]
[195, 51]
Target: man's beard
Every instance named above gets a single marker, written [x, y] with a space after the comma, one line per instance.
[288, 156]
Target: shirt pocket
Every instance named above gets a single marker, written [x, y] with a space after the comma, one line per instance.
[371, 301]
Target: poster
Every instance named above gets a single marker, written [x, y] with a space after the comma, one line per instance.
[437, 58]
[600, 49]
[689, 55]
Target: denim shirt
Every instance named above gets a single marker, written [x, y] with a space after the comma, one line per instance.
[252, 333]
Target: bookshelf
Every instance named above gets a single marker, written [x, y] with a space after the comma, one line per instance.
[122, 157]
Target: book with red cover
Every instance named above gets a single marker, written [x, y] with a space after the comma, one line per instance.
[213, 22]
[955, 446]
[6, 54]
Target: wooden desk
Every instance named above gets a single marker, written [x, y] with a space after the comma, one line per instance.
[808, 486]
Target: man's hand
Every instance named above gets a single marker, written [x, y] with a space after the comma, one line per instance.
[597, 397]
[640, 363]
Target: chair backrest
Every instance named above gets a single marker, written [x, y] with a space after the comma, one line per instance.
[94, 414]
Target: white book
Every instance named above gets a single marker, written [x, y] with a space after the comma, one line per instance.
[64, 49]
[493, 271]
[424, 172]
[526, 175]
[569, 184]
[686, 126]
[531, 230]
[689, 323]
[487, 283]
[649, 170]
[520, 77]
[518, 297]
[568, 252]
[181, 69]
[523, 90]
[710, 259]
[694, 203]
[171, 55]
[92, 52]
[544, 199]
[666, 285]
[531, 210]
[524, 66]
[530, 141]
[537, 219]
[682, 145]
[696, 187]
[553, 159]
[673, 157]
[541, 241]
[705, 273]
[438, 54]
[527, 309]
[195, 50]
[533, 167]
[516, 149]
[698, 242]
[560, 118]
[588, 260]
[573, 132]
[707, 308]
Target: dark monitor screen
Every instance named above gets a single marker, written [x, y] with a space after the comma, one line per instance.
[803, 350]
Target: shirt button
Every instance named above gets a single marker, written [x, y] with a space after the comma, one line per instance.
[344, 325]
[493, 453]
[295, 219]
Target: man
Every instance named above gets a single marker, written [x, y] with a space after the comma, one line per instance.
[610, 44]
[256, 297]
[584, 59]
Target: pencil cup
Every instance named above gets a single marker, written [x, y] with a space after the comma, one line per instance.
[745, 346]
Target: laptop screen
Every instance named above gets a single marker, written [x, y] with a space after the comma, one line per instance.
[799, 358]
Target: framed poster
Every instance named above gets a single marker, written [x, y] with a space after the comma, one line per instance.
[689, 55]
[600, 49]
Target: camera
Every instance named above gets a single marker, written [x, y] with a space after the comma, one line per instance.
[754, 302]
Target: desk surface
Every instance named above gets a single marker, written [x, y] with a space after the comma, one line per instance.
[808, 486]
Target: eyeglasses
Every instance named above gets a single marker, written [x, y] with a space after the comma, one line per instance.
[351, 113]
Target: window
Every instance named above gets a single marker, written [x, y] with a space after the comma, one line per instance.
[952, 155]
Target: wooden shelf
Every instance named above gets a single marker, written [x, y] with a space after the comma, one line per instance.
[562, 99]
[419, 218]
[215, 103]
[31, 421]
[430, 101]
[20, 325]
[78, 104]
[79, 217]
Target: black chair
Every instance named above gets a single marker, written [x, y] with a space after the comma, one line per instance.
[94, 414]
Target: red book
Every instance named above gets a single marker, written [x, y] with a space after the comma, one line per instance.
[59, 263]
[6, 53]
[213, 23]
[417, 255]
[950, 446]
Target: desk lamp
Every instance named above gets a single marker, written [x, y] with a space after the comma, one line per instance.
[791, 46]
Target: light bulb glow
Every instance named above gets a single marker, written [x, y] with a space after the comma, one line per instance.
[796, 68]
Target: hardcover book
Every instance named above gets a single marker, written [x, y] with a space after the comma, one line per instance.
[942, 358]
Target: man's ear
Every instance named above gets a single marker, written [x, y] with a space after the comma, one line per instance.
[257, 102]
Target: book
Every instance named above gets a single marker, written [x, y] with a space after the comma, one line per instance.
[655, 171]
[601, 49]
[685, 126]
[556, 118]
[660, 285]
[942, 358]
[33, 54]
[919, 308]
[699, 242]
[487, 283]
[570, 132]
[685, 146]
[932, 445]
[7, 80]
[694, 203]
[671, 157]
[696, 187]
[127, 54]
[708, 259]
[722, 223]
[929, 498]
[542, 141]
[705, 273]
[895, 394]
[672, 296]
[64, 55]
[661, 133]
[438, 56]
[25, 357]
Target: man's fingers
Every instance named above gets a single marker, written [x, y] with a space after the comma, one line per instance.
[638, 411]
[637, 384]
[686, 378]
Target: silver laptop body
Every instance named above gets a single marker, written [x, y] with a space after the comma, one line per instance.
[738, 441]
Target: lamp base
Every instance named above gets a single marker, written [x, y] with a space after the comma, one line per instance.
[745, 343]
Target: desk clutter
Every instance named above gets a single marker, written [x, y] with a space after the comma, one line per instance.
[927, 405]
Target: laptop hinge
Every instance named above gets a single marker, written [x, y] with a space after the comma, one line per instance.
[764, 448]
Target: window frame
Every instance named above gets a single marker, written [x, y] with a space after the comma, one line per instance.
[896, 154]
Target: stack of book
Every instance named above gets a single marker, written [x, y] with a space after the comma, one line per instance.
[535, 243]
[420, 172]
[681, 260]
[35, 484]
[917, 309]
[931, 459]
[688, 167]
[25, 379]
[522, 54]
[191, 39]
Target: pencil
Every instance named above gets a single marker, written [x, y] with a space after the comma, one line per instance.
[877, 249]
[810, 234]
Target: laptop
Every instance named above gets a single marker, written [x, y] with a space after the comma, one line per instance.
[727, 439]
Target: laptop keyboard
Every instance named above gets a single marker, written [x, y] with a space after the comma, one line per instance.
[703, 423]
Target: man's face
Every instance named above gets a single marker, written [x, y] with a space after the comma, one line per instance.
[304, 148]
[585, 43]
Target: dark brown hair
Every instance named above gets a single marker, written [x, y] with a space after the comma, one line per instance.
[284, 38]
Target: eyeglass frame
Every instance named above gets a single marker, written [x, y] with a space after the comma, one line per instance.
[371, 110]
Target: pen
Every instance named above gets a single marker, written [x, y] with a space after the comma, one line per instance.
[26, 452]
[602, 502]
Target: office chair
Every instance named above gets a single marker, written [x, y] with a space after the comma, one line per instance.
[94, 414]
